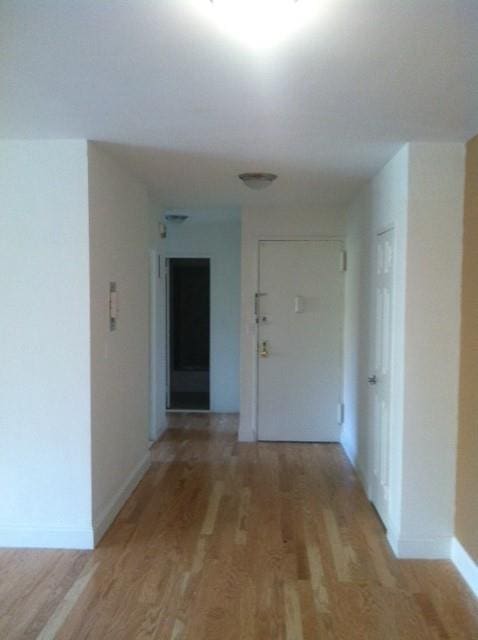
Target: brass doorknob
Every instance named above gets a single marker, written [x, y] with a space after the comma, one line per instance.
[263, 351]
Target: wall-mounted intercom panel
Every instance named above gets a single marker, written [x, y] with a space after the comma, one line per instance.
[113, 306]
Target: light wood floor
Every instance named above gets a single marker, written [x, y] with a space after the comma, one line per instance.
[236, 541]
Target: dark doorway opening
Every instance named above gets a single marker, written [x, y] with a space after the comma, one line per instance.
[189, 333]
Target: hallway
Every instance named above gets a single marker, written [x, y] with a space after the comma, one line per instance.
[223, 540]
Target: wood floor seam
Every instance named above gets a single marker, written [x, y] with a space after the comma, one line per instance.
[224, 540]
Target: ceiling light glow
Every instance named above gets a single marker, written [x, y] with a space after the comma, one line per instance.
[262, 24]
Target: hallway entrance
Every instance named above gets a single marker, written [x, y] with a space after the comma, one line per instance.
[188, 333]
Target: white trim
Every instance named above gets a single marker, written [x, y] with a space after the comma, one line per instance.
[161, 431]
[46, 538]
[465, 565]
[191, 411]
[71, 538]
[420, 548]
[157, 417]
[300, 238]
[364, 482]
[352, 455]
[108, 513]
[350, 451]
[246, 436]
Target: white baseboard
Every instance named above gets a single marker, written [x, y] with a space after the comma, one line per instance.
[465, 565]
[417, 549]
[108, 513]
[159, 434]
[246, 435]
[364, 482]
[19, 536]
[420, 548]
[46, 538]
[350, 451]
[352, 455]
[159, 430]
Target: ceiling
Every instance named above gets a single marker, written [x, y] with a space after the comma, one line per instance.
[188, 107]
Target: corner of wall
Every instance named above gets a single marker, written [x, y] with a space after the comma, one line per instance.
[246, 434]
[45, 465]
[24, 537]
[108, 512]
[465, 543]
[465, 564]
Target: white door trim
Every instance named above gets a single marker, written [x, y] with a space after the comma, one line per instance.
[157, 420]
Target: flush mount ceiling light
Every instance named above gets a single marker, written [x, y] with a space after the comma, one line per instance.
[262, 23]
[176, 218]
[257, 181]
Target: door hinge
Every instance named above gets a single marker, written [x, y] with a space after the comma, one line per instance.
[256, 302]
[340, 413]
[343, 261]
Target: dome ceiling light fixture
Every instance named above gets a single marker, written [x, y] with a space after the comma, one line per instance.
[262, 24]
[176, 218]
[257, 181]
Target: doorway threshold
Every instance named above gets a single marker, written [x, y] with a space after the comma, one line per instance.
[188, 410]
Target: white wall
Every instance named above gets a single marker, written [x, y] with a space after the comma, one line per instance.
[119, 252]
[217, 235]
[381, 204]
[263, 224]
[420, 192]
[433, 285]
[45, 357]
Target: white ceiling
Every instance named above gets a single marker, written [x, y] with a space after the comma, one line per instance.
[189, 108]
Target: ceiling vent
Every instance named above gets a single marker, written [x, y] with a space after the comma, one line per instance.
[176, 218]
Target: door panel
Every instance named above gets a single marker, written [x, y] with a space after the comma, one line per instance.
[300, 316]
[381, 379]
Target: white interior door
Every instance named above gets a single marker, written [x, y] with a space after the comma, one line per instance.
[300, 318]
[380, 378]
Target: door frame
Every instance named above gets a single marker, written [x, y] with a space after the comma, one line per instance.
[157, 422]
[255, 367]
[193, 256]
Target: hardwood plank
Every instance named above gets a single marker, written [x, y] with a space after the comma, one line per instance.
[230, 541]
[293, 617]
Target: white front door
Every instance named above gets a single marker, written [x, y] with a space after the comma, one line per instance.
[300, 318]
[380, 378]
